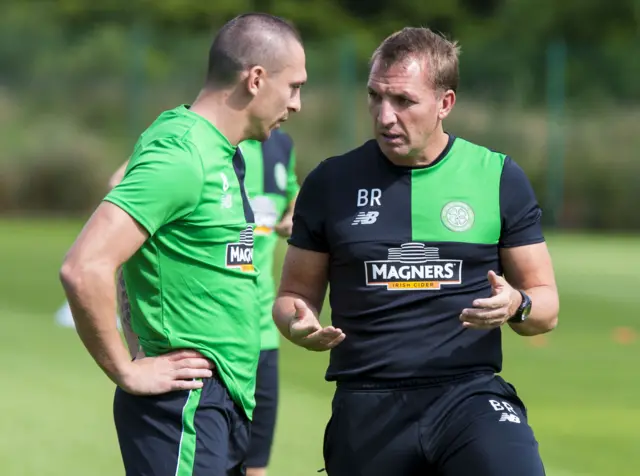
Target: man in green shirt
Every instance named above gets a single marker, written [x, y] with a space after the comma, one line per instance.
[272, 187]
[181, 223]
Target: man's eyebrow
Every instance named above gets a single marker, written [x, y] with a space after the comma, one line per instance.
[394, 92]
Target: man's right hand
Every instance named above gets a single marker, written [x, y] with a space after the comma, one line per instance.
[306, 331]
[166, 373]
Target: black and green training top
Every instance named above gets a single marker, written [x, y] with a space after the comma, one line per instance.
[409, 248]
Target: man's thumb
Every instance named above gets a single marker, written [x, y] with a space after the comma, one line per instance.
[300, 307]
[495, 280]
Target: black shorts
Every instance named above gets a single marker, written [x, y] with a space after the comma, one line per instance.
[475, 425]
[186, 433]
[264, 415]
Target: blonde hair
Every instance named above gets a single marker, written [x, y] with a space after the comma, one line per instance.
[440, 53]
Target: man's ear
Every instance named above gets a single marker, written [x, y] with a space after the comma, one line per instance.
[447, 102]
[255, 79]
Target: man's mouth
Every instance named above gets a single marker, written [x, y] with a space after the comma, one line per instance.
[390, 137]
[278, 122]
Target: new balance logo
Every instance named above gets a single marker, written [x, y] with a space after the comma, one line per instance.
[508, 413]
[510, 417]
[365, 218]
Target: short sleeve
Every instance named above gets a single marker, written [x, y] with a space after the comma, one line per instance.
[521, 215]
[163, 182]
[292, 179]
[309, 213]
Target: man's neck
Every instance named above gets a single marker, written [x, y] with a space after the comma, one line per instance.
[214, 106]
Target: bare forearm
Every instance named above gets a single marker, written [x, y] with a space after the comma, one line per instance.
[284, 311]
[544, 312]
[292, 205]
[91, 296]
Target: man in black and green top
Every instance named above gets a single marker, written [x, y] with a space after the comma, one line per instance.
[272, 186]
[181, 222]
[429, 244]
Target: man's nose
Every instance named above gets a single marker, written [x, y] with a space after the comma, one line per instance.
[386, 115]
[296, 103]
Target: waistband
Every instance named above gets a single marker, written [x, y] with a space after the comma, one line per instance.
[393, 384]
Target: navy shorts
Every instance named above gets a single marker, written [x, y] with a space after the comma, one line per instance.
[476, 425]
[264, 415]
[185, 433]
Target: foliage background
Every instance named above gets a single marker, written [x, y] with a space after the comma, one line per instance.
[553, 84]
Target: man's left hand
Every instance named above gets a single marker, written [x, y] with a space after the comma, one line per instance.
[494, 311]
[285, 226]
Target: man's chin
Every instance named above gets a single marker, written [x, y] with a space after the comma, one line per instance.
[262, 135]
[392, 149]
[270, 130]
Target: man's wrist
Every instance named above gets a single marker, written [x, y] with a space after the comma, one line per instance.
[521, 314]
[122, 371]
[516, 302]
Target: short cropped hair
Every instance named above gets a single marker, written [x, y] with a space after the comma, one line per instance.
[419, 43]
[249, 40]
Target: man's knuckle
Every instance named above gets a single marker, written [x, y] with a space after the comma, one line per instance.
[194, 362]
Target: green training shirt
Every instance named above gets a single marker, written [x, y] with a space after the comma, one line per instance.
[192, 284]
[271, 184]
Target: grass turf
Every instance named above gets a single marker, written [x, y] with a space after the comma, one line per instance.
[579, 382]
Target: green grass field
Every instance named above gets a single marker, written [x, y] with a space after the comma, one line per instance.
[580, 383]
